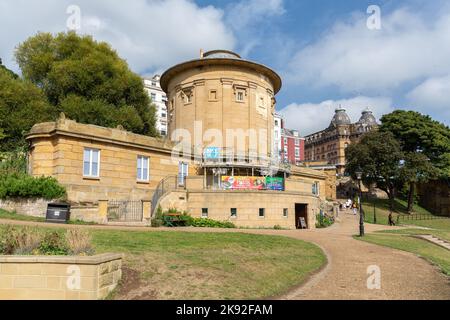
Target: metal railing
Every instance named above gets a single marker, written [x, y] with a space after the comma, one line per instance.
[413, 217]
[169, 183]
[127, 211]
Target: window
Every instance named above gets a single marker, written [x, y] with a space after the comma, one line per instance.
[297, 142]
[163, 133]
[315, 188]
[91, 163]
[285, 212]
[285, 141]
[142, 168]
[297, 152]
[213, 95]
[240, 96]
[154, 83]
[204, 212]
[276, 123]
[182, 173]
[153, 96]
[233, 212]
[163, 115]
[262, 212]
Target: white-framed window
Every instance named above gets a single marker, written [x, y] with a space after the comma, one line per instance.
[91, 163]
[183, 168]
[297, 142]
[153, 96]
[204, 212]
[297, 152]
[285, 141]
[143, 166]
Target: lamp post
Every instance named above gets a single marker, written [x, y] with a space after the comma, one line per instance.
[361, 219]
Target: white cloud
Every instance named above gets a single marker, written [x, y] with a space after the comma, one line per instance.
[250, 12]
[312, 117]
[409, 47]
[432, 95]
[150, 35]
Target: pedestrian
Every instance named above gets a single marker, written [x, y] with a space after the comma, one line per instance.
[391, 219]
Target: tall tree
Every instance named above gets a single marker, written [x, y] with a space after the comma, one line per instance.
[22, 104]
[378, 156]
[426, 144]
[72, 68]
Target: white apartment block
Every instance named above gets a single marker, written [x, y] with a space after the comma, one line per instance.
[277, 133]
[158, 98]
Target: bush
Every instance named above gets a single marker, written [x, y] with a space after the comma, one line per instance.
[31, 241]
[157, 221]
[79, 242]
[209, 223]
[25, 186]
[324, 221]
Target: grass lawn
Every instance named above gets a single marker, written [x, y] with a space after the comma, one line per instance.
[15, 216]
[188, 265]
[382, 210]
[404, 239]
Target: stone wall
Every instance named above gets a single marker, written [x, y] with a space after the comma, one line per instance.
[435, 196]
[29, 207]
[59, 277]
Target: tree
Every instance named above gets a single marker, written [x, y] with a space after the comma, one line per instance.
[70, 68]
[12, 73]
[426, 144]
[22, 104]
[378, 156]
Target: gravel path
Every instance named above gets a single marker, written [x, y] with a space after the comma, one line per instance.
[403, 275]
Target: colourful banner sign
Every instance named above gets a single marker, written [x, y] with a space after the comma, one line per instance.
[252, 183]
[275, 183]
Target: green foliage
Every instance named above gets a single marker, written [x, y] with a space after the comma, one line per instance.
[13, 162]
[323, 221]
[33, 241]
[378, 156]
[420, 133]
[277, 227]
[22, 104]
[25, 186]
[158, 221]
[87, 80]
[209, 223]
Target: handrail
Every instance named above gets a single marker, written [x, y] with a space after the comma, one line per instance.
[166, 185]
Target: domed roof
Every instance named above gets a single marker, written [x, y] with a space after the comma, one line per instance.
[221, 54]
[367, 117]
[340, 118]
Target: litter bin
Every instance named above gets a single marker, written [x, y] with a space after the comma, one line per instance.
[58, 212]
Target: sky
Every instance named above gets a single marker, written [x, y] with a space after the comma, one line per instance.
[385, 54]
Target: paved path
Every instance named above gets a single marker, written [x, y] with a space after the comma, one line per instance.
[403, 275]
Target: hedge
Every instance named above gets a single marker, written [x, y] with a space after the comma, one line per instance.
[25, 186]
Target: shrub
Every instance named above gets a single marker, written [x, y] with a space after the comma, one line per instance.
[209, 223]
[27, 241]
[79, 242]
[277, 227]
[53, 243]
[323, 221]
[157, 221]
[24, 186]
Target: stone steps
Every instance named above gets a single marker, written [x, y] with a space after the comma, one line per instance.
[435, 240]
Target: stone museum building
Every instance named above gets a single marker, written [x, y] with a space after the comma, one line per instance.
[217, 161]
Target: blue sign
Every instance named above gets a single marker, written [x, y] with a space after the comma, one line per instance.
[211, 153]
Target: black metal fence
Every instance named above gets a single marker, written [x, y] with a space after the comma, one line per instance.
[410, 217]
[126, 211]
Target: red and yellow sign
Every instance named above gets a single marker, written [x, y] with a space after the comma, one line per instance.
[243, 183]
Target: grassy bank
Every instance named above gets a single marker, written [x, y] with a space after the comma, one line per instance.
[185, 265]
[20, 217]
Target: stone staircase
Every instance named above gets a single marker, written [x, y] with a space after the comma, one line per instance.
[435, 240]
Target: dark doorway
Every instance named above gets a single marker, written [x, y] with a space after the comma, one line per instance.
[301, 216]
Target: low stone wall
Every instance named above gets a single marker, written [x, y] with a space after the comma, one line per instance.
[59, 277]
[29, 207]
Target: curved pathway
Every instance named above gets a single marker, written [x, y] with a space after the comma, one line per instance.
[403, 274]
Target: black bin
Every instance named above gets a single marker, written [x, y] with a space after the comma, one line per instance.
[58, 212]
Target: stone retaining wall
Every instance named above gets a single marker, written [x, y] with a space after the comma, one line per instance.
[59, 277]
[29, 207]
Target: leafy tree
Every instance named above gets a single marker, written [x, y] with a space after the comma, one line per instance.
[12, 73]
[426, 144]
[74, 69]
[378, 156]
[22, 104]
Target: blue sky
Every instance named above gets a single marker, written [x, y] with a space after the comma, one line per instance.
[323, 49]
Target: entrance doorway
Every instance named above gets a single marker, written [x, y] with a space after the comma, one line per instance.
[301, 216]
